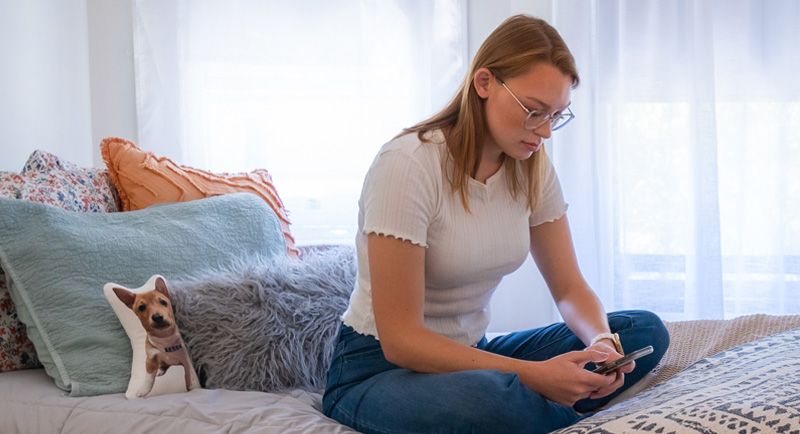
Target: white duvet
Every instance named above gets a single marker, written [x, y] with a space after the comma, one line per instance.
[31, 404]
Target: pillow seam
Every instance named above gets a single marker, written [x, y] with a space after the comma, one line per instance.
[57, 361]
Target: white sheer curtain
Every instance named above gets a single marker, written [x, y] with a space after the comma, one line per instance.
[307, 89]
[681, 167]
[683, 164]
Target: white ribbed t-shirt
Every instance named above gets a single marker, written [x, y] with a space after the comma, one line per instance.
[407, 195]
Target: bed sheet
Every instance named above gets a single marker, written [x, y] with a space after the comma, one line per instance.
[30, 403]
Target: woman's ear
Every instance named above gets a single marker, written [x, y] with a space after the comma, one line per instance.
[481, 81]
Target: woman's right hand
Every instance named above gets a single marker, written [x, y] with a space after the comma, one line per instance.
[563, 378]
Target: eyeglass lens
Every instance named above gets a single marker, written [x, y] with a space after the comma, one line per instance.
[535, 121]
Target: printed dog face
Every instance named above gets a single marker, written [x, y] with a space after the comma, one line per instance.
[164, 347]
[153, 308]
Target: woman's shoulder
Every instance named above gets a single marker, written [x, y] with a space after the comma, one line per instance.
[429, 148]
[410, 156]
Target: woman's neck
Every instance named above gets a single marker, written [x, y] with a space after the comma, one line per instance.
[488, 167]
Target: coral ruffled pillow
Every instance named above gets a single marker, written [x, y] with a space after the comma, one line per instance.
[142, 179]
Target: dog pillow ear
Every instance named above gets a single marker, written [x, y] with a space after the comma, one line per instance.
[124, 295]
[155, 310]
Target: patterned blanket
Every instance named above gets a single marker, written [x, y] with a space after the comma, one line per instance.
[750, 389]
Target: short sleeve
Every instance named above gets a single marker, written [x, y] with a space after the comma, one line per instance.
[399, 197]
[551, 205]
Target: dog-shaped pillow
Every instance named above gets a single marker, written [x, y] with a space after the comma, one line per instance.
[161, 362]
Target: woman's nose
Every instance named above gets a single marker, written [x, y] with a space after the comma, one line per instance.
[544, 130]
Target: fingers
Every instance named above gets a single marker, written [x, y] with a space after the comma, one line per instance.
[587, 356]
[604, 347]
[618, 380]
[570, 381]
[581, 358]
[579, 383]
[601, 383]
[627, 368]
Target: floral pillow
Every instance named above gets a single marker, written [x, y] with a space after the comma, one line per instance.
[16, 350]
[41, 161]
[47, 179]
[11, 185]
[53, 181]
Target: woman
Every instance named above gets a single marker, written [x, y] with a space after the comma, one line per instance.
[448, 208]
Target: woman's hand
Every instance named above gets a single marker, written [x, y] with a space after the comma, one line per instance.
[606, 347]
[564, 380]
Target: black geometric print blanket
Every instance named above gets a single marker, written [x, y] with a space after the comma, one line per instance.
[750, 389]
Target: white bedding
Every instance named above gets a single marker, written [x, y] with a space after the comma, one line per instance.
[31, 404]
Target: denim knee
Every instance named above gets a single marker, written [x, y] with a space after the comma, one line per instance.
[507, 405]
[478, 401]
[659, 335]
[660, 332]
[639, 328]
[643, 328]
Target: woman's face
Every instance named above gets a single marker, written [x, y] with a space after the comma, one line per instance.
[544, 88]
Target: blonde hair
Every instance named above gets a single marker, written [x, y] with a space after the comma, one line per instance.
[520, 42]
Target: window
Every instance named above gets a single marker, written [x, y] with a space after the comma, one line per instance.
[686, 146]
[308, 90]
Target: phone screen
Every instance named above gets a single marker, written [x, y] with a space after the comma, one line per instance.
[610, 367]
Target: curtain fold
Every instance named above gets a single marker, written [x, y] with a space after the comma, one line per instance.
[308, 90]
[686, 145]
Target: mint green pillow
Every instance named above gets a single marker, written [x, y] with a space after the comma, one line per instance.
[58, 261]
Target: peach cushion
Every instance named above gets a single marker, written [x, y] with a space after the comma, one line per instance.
[142, 179]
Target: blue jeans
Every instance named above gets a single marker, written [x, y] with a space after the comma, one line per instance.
[372, 395]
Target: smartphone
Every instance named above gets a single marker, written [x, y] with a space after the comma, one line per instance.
[624, 360]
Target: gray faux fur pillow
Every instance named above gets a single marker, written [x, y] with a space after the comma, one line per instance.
[266, 324]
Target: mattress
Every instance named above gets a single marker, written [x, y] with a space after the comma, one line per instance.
[31, 404]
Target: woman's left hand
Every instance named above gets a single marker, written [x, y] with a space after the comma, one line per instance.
[619, 372]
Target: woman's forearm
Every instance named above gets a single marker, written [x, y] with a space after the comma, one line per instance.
[422, 350]
[583, 313]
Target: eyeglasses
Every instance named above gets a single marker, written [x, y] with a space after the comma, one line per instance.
[538, 118]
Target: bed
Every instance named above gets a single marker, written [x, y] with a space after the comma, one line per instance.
[751, 388]
[259, 316]
[30, 403]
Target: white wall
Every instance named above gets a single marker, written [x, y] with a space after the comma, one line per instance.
[44, 80]
[66, 78]
[113, 93]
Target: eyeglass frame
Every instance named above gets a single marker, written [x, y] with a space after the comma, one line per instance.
[547, 116]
